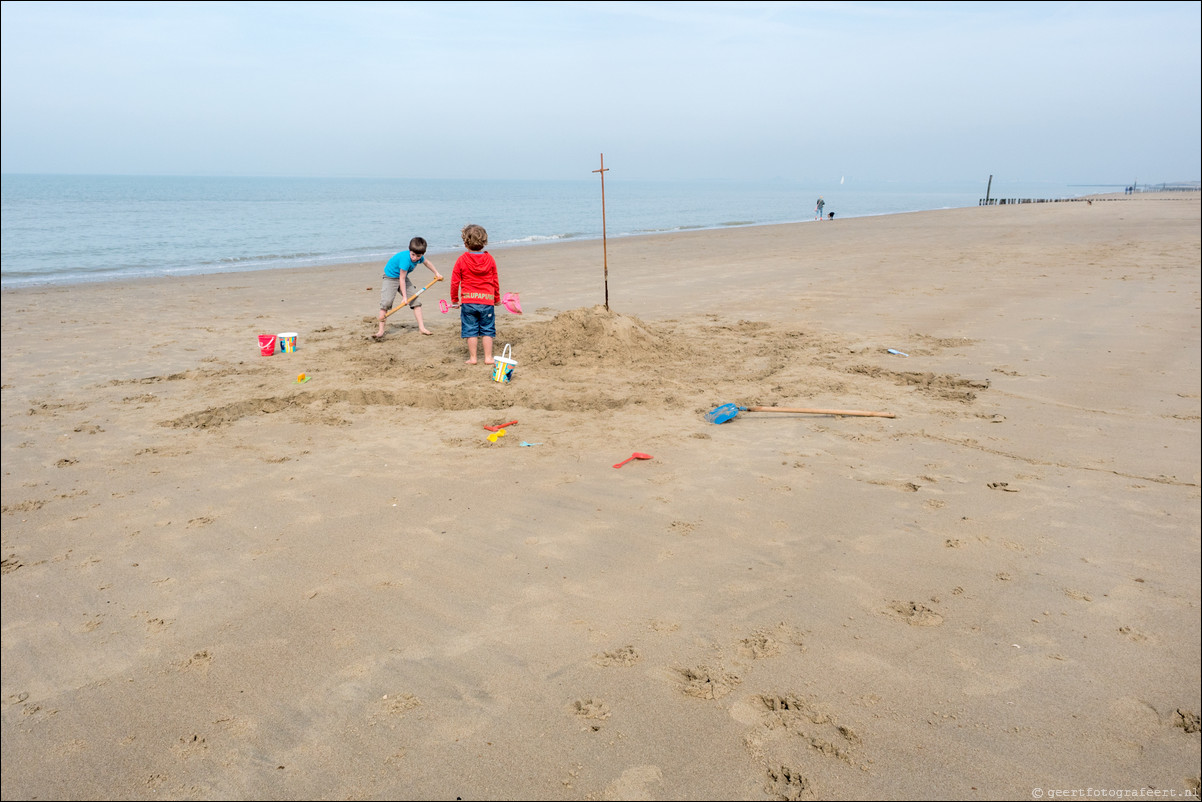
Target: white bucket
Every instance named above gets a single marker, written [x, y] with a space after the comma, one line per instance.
[503, 365]
[287, 341]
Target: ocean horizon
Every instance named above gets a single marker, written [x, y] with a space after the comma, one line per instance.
[69, 229]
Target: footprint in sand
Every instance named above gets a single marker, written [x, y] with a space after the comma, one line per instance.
[768, 642]
[396, 705]
[758, 646]
[190, 746]
[708, 683]
[788, 783]
[626, 656]
[1186, 720]
[789, 730]
[200, 660]
[915, 614]
[1133, 634]
[592, 709]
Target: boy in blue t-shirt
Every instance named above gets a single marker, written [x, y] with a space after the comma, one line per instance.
[402, 264]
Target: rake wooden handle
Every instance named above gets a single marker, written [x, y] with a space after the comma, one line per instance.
[410, 300]
[824, 412]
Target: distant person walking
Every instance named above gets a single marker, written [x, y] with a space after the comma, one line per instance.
[818, 208]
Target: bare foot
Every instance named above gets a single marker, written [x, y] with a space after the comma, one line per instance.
[488, 362]
[379, 336]
[470, 362]
[425, 331]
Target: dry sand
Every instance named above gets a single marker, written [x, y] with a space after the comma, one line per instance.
[219, 583]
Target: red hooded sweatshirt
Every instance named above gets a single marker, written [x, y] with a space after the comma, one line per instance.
[475, 273]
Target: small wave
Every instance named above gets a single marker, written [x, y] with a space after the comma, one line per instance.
[670, 229]
[299, 259]
[261, 258]
[532, 238]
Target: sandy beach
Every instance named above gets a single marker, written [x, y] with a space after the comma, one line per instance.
[220, 582]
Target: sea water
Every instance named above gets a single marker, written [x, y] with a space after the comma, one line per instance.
[60, 229]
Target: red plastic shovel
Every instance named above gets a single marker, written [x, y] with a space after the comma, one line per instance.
[635, 455]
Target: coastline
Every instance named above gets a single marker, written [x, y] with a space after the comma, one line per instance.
[220, 583]
[123, 229]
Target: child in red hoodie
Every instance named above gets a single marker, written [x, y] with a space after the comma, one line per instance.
[474, 282]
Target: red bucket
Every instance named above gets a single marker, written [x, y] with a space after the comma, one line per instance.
[267, 344]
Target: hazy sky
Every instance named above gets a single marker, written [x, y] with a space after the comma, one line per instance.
[1094, 92]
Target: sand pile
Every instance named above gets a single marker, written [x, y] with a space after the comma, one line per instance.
[598, 335]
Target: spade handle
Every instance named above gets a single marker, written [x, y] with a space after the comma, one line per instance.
[824, 412]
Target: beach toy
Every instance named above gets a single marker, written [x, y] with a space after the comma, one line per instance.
[503, 365]
[443, 306]
[524, 443]
[635, 455]
[267, 344]
[302, 378]
[500, 426]
[727, 411]
[895, 351]
[492, 438]
[288, 342]
[512, 302]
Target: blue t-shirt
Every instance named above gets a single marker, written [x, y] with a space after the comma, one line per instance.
[401, 263]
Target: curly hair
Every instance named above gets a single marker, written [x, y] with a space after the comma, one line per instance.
[474, 237]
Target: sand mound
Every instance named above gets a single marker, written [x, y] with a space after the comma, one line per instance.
[597, 335]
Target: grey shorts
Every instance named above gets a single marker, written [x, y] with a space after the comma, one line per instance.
[390, 289]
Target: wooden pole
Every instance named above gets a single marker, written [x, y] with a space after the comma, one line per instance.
[604, 245]
[987, 188]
